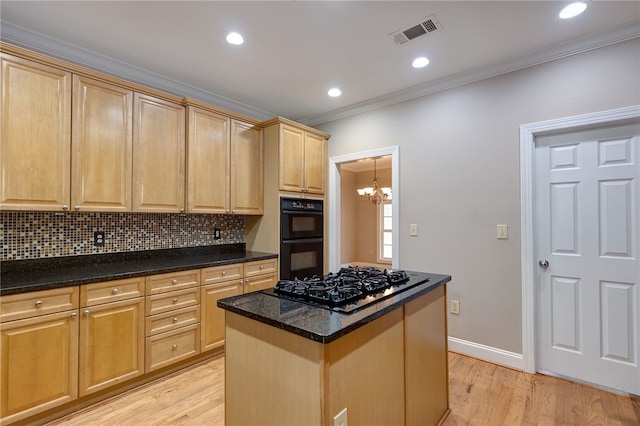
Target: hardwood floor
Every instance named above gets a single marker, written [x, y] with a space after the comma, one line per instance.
[480, 394]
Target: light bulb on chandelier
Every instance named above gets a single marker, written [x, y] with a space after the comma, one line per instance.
[374, 195]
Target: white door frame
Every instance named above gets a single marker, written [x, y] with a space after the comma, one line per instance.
[334, 201]
[528, 132]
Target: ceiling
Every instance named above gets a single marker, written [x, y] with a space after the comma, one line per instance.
[294, 51]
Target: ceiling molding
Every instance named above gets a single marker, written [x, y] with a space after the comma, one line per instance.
[41, 43]
[620, 34]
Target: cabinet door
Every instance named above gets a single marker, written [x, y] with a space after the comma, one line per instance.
[101, 146]
[39, 364]
[208, 154]
[111, 344]
[315, 167]
[291, 159]
[158, 155]
[36, 136]
[212, 318]
[247, 191]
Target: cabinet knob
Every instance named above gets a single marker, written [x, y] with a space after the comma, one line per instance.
[175, 300]
[174, 282]
[65, 207]
[224, 273]
[73, 315]
[181, 210]
[233, 212]
[38, 303]
[86, 312]
[76, 208]
[261, 266]
[114, 291]
[175, 347]
[175, 319]
[246, 280]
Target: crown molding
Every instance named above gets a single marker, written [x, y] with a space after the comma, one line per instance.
[586, 43]
[44, 44]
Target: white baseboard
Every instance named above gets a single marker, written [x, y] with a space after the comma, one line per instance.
[487, 353]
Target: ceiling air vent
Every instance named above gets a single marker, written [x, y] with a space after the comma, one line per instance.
[426, 26]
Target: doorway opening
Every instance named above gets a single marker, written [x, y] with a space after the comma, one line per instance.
[348, 241]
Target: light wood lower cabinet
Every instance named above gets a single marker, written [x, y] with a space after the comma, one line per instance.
[39, 353]
[218, 282]
[173, 318]
[111, 344]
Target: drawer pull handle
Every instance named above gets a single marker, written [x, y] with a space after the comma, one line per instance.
[86, 312]
[38, 303]
[224, 273]
[114, 291]
[174, 282]
[175, 347]
[175, 319]
[175, 300]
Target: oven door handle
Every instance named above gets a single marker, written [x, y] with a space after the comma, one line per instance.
[302, 212]
[302, 240]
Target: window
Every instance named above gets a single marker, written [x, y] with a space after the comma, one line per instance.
[385, 232]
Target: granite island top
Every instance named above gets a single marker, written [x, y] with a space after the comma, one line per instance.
[20, 276]
[322, 324]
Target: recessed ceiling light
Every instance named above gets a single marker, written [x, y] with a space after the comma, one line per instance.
[420, 62]
[334, 92]
[234, 38]
[572, 10]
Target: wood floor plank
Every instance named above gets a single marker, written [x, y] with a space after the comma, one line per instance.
[481, 393]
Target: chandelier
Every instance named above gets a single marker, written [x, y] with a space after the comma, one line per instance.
[374, 195]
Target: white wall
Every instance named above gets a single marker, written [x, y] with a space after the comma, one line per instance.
[459, 174]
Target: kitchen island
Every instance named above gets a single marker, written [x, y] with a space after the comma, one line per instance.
[289, 362]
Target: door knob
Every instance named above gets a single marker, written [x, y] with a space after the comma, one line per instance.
[543, 263]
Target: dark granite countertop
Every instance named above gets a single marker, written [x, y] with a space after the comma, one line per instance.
[322, 324]
[20, 276]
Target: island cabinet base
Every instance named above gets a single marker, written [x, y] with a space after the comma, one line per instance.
[391, 371]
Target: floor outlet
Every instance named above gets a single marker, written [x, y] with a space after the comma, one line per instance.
[341, 418]
[455, 307]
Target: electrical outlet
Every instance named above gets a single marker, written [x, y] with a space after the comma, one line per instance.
[216, 233]
[341, 418]
[455, 307]
[98, 238]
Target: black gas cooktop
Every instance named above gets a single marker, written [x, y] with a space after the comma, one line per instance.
[348, 290]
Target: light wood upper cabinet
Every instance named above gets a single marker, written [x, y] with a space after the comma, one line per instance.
[36, 136]
[208, 154]
[247, 151]
[303, 157]
[158, 155]
[101, 146]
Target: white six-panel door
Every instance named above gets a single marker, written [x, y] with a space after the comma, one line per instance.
[587, 232]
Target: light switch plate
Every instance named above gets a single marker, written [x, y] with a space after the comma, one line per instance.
[503, 232]
[341, 418]
[413, 229]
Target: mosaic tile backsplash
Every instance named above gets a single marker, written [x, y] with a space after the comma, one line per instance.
[34, 235]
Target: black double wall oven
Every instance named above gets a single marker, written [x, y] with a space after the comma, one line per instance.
[301, 234]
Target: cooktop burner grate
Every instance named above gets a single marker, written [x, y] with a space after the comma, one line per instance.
[348, 289]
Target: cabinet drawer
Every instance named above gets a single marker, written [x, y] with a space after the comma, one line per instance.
[111, 291]
[222, 273]
[172, 281]
[26, 305]
[165, 302]
[260, 282]
[260, 267]
[172, 320]
[173, 346]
